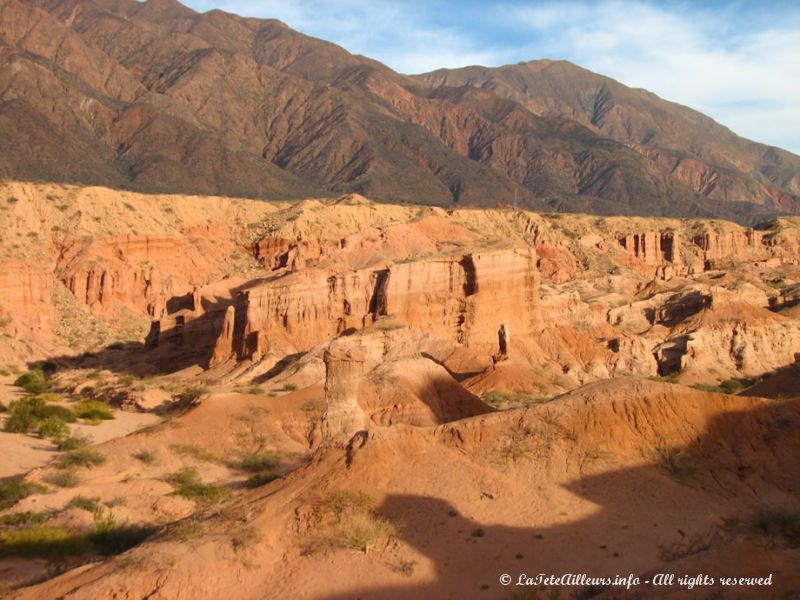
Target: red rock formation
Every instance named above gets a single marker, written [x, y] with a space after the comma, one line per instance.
[724, 247]
[344, 370]
[223, 347]
[459, 298]
[26, 309]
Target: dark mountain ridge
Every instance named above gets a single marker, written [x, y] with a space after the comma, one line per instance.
[156, 97]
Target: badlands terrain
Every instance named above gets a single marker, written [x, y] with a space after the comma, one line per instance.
[306, 399]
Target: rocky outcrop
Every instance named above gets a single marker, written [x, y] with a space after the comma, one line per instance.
[26, 309]
[343, 417]
[658, 250]
[461, 298]
[725, 247]
[223, 347]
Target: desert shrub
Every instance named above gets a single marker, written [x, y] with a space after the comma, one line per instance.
[148, 457]
[256, 462]
[28, 412]
[350, 521]
[504, 399]
[110, 537]
[83, 457]
[195, 452]
[675, 461]
[404, 567]
[41, 540]
[73, 442]
[53, 410]
[33, 382]
[84, 503]
[21, 418]
[260, 479]
[778, 522]
[23, 518]
[15, 489]
[66, 478]
[93, 410]
[2, 407]
[730, 386]
[57, 543]
[193, 393]
[187, 483]
[53, 428]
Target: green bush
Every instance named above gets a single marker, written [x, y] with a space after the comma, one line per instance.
[351, 522]
[187, 484]
[260, 479]
[256, 462]
[33, 382]
[93, 410]
[73, 442]
[53, 410]
[84, 457]
[53, 428]
[56, 543]
[27, 413]
[15, 489]
[84, 503]
[148, 457]
[66, 478]
[23, 518]
[21, 418]
[109, 537]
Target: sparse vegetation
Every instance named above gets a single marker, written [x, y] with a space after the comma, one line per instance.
[256, 462]
[148, 457]
[288, 387]
[675, 460]
[24, 518]
[691, 546]
[404, 567]
[349, 521]
[15, 489]
[29, 412]
[83, 457]
[40, 539]
[187, 483]
[84, 503]
[781, 522]
[505, 399]
[93, 410]
[195, 452]
[66, 478]
[53, 428]
[73, 442]
[33, 382]
[260, 479]
[726, 386]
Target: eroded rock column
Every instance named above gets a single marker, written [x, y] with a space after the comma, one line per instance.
[223, 348]
[344, 370]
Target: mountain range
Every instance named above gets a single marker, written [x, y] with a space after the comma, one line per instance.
[155, 97]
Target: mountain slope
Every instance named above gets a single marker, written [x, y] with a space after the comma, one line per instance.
[156, 97]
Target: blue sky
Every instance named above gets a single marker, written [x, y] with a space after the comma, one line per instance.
[737, 61]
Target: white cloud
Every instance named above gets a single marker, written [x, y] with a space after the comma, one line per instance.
[749, 80]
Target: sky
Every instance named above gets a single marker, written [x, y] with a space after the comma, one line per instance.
[736, 61]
